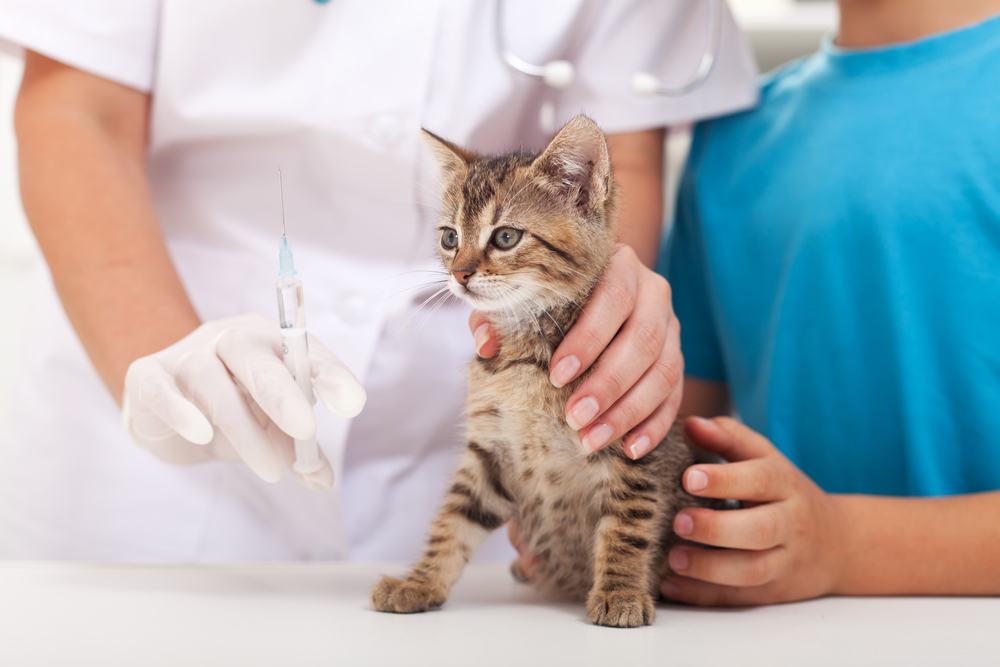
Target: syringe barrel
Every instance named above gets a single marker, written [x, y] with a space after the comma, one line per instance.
[295, 352]
[291, 308]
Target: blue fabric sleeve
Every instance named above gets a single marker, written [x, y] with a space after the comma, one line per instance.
[685, 268]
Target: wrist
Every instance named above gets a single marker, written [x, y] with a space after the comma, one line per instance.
[844, 547]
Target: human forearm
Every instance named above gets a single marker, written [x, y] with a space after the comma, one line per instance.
[928, 546]
[637, 158]
[81, 159]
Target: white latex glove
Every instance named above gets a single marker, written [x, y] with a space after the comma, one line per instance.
[223, 392]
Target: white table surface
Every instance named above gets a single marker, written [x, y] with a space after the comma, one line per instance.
[302, 614]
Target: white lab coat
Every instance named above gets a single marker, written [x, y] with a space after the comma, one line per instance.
[335, 94]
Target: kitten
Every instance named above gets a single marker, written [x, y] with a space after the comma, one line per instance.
[526, 238]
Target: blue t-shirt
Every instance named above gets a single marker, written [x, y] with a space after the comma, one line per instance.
[836, 261]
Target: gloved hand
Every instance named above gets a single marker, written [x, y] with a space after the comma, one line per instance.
[223, 392]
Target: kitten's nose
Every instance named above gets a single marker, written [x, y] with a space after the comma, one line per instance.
[463, 275]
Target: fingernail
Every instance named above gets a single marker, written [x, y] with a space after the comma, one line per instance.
[683, 525]
[481, 335]
[696, 480]
[564, 371]
[582, 413]
[678, 560]
[598, 437]
[641, 445]
[669, 588]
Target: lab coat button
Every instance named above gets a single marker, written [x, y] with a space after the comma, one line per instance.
[386, 129]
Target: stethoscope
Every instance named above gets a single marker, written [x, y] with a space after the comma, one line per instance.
[559, 74]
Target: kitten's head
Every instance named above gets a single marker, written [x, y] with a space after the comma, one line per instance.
[521, 233]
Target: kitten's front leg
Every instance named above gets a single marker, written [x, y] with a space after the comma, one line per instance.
[477, 503]
[627, 539]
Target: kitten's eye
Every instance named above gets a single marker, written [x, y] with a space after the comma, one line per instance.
[506, 238]
[449, 238]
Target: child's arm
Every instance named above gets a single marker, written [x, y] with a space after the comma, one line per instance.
[930, 546]
[793, 541]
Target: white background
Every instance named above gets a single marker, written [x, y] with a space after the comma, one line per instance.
[318, 614]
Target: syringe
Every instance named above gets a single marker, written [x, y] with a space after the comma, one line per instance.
[294, 342]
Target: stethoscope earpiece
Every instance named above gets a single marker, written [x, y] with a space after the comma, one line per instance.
[645, 84]
[558, 73]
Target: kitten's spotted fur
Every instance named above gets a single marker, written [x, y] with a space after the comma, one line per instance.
[599, 522]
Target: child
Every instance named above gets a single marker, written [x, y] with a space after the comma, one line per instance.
[836, 271]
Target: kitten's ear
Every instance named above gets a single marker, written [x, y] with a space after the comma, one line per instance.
[577, 164]
[453, 159]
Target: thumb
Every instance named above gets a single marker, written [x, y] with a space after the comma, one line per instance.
[728, 438]
[334, 383]
[487, 342]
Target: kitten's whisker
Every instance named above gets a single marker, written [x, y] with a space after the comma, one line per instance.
[507, 306]
[404, 278]
[562, 297]
[425, 301]
[526, 314]
[571, 270]
[549, 315]
[413, 288]
[432, 306]
[437, 304]
[440, 272]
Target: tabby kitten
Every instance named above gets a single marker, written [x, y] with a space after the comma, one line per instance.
[526, 238]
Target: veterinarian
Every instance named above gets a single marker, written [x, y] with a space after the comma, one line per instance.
[149, 136]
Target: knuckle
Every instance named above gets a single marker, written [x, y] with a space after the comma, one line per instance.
[592, 341]
[649, 338]
[707, 526]
[720, 478]
[230, 340]
[661, 287]
[625, 416]
[667, 372]
[765, 533]
[655, 428]
[798, 527]
[611, 384]
[726, 422]
[702, 565]
[676, 398]
[138, 369]
[668, 291]
[626, 253]
[196, 360]
[619, 292]
[758, 484]
[195, 368]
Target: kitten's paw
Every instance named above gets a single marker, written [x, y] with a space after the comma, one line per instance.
[620, 609]
[405, 597]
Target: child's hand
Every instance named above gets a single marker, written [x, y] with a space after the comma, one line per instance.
[782, 546]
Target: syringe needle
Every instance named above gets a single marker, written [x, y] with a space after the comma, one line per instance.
[281, 187]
